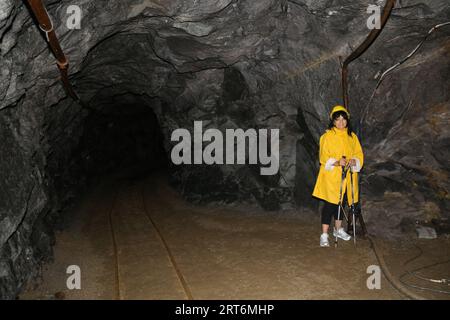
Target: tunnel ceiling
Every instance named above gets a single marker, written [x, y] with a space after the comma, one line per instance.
[232, 64]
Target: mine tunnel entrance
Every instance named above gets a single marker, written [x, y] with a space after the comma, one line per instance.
[123, 136]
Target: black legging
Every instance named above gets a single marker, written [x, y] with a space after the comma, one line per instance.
[330, 209]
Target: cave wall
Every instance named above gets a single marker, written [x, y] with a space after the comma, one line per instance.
[232, 64]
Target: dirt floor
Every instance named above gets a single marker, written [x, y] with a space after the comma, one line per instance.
[119, 236]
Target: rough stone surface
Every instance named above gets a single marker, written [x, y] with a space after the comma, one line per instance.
[232, 64]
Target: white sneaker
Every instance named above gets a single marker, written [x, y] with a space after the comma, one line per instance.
[324, 240]
[342, 234]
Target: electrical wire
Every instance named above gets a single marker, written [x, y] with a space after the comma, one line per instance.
[390, 278]
[413, 273]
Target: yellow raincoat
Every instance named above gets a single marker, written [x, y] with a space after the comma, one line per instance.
[334, 144]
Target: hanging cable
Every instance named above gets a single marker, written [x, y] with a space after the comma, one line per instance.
[46, 25]
[365, 110]
[362, 48]
[387, 71]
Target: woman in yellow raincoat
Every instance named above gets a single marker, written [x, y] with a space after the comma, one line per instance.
[339, 147]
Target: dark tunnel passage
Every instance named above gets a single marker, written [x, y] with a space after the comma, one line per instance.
[92, 181]
[121, 137]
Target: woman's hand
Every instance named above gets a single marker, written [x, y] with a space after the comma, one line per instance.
[341, 163]
[352, 162]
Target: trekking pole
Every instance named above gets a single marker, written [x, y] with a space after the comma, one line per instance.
[353, 208]
[339, 203]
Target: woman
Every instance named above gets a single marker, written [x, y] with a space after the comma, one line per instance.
[339, 147]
